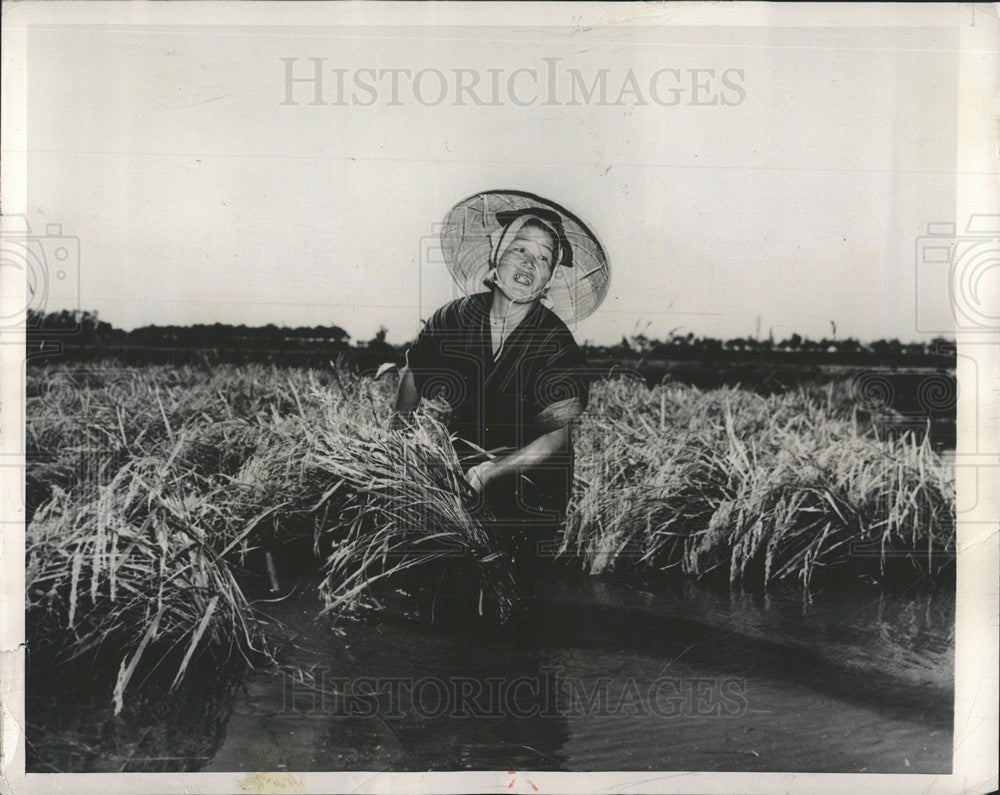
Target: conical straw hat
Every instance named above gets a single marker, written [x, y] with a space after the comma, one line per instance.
[574, 292]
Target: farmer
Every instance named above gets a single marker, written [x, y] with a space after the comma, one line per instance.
[504, 360]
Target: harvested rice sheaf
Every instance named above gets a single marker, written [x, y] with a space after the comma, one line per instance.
[136, 573]
[769, 489]
[404, 504]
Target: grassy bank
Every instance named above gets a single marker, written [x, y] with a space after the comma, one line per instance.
[153, 491]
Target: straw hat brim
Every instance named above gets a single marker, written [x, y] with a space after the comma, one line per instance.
[574, 292]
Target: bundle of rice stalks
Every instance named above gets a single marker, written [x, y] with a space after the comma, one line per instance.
[404, 503]
[138, 573]
[218, 450]
[637, 475]
[767, 489]
[828, 496]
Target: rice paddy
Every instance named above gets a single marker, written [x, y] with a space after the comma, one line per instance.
[764, 490]
[153, 492]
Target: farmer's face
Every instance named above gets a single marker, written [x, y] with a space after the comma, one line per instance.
[526, 265]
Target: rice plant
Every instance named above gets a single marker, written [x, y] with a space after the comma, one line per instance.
[769, 489]
[405, 503]
[151, 487]
[134, 573]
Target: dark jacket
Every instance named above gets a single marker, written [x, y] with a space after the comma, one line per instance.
[503, 404]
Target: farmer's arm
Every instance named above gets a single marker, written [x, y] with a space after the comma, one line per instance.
[535, 453]
[407, 398]
[423, 355]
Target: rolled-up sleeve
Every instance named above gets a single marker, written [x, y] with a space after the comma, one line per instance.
[561, 390]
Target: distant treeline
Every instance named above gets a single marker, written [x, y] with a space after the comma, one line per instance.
[83, 336]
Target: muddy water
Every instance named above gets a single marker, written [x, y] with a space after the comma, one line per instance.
[609, 677]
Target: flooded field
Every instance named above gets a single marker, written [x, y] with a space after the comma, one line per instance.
[606, 677]
[603, 676]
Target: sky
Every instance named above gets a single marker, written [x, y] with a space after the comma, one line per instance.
[740, 179]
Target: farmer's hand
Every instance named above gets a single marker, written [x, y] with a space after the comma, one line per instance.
[480, 475]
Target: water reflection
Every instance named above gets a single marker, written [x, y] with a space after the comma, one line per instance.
[72, 726]
[601, 676]
[503, 698]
